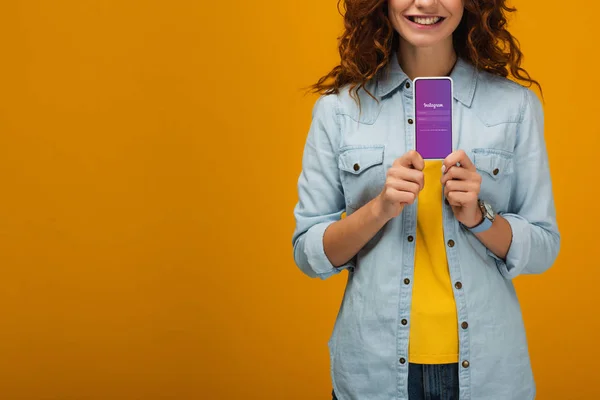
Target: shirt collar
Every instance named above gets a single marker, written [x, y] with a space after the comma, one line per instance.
[464, 77]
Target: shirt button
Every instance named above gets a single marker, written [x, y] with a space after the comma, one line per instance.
[464, 325]
[356, 167]
[406, 281]
[458, 285]
[407, 85]
[402, 360]
[465, 364]
[410, 238]
[404, 322]
[451, 243]
[495, 171]
[410, 121]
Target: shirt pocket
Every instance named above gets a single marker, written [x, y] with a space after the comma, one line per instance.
[496, 169]
[362, 173]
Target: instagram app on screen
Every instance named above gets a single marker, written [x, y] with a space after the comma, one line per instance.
[433, 117]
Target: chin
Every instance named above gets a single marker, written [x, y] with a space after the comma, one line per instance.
[422, 42]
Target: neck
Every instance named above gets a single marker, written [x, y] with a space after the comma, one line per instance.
[437, 60]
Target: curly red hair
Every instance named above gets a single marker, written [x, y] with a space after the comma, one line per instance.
[369, 40]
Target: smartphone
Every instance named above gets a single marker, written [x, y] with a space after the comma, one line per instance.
[433, 97]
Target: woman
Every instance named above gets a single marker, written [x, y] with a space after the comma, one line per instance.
[431, 247]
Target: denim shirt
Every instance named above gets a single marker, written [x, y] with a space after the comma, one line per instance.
[500, 126]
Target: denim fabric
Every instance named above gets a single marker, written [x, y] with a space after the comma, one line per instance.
[500, 126]
[430, 382]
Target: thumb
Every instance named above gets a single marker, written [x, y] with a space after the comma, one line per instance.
[411, 159]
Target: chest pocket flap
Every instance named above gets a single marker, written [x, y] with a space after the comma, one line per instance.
[495, 163]
[355, 160]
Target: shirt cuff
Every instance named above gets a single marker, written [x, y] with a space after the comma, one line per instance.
[520, 247]
[315, 252]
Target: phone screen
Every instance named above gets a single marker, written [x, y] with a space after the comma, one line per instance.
[433, 117]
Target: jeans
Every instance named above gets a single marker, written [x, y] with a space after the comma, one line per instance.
[431, 382]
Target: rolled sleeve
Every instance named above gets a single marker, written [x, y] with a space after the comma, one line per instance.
[320, 194]
[310, 255]
[532, 216]
[520, 247]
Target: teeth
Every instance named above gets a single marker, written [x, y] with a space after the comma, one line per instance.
[426, 20]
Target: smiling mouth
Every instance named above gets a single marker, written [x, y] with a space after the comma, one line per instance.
[425, 20]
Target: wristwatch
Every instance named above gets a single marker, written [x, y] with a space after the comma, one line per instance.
[488, 217]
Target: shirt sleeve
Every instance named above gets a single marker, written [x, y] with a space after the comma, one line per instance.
[532, 216]
[320, 193]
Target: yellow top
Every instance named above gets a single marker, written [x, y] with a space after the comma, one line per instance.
[434, 321]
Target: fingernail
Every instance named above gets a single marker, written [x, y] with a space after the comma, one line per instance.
[443, 168]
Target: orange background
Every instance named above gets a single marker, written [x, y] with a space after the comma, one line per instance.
[149, 153]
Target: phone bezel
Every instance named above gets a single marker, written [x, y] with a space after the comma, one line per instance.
[423, 78]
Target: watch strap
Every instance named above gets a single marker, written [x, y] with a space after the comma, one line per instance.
[482, 227]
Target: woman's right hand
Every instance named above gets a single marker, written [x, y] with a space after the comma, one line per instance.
[404, 180]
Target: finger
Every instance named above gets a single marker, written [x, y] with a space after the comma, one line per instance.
[403, 185]
[411, 159]
[457, 157]
[460, 173]
[460, 199]
[411, 175]
[401, 197]
[462, 186]
[455, 173]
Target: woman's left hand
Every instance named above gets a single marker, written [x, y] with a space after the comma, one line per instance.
[461, 188]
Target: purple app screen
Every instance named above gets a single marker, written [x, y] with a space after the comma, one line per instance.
[433, 119]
